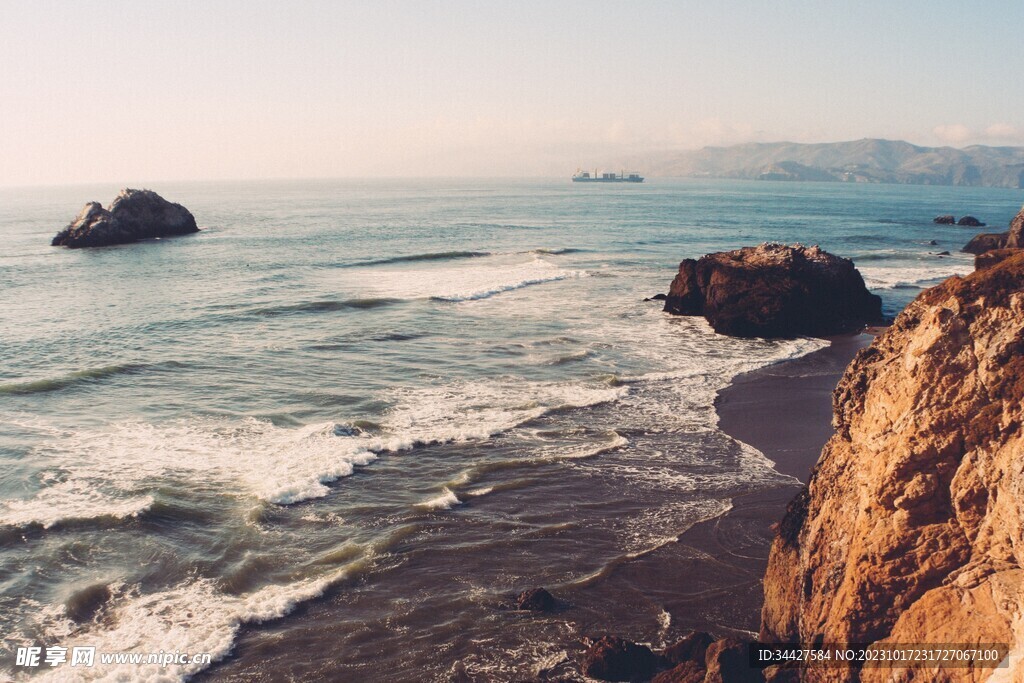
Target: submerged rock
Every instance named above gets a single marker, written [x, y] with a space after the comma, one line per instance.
[911, 529]
[132, 216]
[615, 659]
[85, 603]
[944, 220]
[970, 222]
[774, 290]
[536, 600]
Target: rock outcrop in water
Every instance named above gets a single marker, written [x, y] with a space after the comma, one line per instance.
[696, 658]
[970, 222]
[132, 216]
[536, 600]
[774, 290]
[615, 659]
[985, 241]
[1013, 238]
[911, 529]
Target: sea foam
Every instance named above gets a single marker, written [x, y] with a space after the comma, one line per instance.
[481, 278]
[194, 617]
[111, 472]
[445, 501]
[881, 277]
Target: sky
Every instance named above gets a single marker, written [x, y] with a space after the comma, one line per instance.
[147, 90]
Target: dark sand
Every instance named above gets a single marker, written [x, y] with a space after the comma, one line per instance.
[785, 410]
[711, 579]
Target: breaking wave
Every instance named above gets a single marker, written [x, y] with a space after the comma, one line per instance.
[115, 471]
[81, 377]
[412, 258]
[880, 277]
[326, 306]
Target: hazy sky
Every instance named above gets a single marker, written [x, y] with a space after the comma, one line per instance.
[150, 90]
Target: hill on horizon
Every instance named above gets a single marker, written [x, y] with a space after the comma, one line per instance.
[860, 161]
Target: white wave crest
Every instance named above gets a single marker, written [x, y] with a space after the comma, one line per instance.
[157, 622]
[458, 282]
[467, 411]
[445, 501]
[69, 501]
[881, 277]
[111, 472]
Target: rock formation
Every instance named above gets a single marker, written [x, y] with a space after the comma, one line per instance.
[615, 659]
[1013, 238]
[696, 658]
[911, 529]
[1015, 235]
[132, 216]
[944, 220]
[992, 257]
[687, 672]
[970, 222]
[536, 600]
[985, 241]
[774, 291]
[690, 648]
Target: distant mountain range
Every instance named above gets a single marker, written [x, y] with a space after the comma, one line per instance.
[860, 161]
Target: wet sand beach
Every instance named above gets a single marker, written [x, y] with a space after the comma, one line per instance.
[785, 411]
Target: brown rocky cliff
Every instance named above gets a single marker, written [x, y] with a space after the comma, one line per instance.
[1015, 235]
[912, 527]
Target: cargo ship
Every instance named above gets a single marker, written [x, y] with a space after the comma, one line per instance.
[622, 177]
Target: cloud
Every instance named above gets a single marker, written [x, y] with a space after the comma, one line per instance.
[958, 134]
[953, 133]
[712, 131]
[1003, 131]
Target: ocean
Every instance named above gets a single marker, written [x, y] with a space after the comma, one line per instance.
[328, 436]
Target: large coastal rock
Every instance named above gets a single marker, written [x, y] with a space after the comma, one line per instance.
[1013, 238]
[774, 290]
[132, 216]
[985, 241]
[1015, 235]
[911, 529]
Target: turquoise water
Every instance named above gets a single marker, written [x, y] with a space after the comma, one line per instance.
[396, 401]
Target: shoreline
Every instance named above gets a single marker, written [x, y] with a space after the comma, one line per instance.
[783, 410]
[710, 579]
